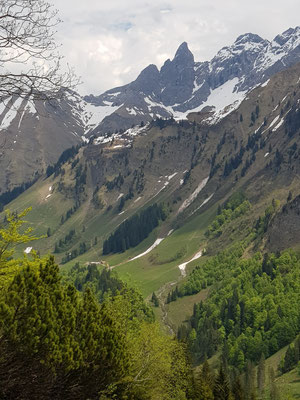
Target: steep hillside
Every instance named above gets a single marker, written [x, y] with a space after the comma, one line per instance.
[35, 133]
[191, 166]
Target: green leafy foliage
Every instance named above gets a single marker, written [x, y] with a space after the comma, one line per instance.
[62, 344]
[11, 234]
[236, 206]
[263, 222]
[250, 307]
[291, 357]
[214, 270]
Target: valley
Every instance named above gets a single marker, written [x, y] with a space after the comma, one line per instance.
[166, 223]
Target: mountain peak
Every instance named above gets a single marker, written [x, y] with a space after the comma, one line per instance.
[286, 35]
[248, 37]
[183, 52]
[148, 80]
[151, 69]
[182, 48]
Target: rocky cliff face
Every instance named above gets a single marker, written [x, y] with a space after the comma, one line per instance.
[35, 134]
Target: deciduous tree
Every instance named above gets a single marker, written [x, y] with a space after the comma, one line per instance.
[30, 64]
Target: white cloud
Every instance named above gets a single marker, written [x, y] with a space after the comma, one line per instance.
[110, 42]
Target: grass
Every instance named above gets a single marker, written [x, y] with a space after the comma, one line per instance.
[151, 272]
[182, 309]
[289, 383]
[148, 273]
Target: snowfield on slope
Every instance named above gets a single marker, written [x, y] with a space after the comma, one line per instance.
[183, 265]
[193, 196]
[155, 244]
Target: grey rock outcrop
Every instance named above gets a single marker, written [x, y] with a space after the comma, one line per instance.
[183, 85]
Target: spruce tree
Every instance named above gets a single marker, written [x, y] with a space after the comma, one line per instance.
[221, 386]
[237, 389]
[155, 300]
[68, 342]
[261, 375]
[204, 383]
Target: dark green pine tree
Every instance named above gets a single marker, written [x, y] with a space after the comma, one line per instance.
[261, 372]
[221, 387]
[73, 346]
[204, 383]
[155, 300]
[250, 379]
[289, 359]
[237, 389]
[169, 298]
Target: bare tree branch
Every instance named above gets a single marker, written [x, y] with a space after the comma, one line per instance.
[30, 64]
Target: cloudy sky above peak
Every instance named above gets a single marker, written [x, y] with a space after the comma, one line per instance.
[108, 43]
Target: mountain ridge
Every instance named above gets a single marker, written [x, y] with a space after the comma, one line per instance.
[185, 84]
[181, 86]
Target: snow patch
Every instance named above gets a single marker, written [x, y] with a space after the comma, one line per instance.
[196, 86]
[183, 265]
[164, 186]
[137, 130]
[274, 121]
[155, 244]
[224, 99]
[224, 95]
[96, 114]
[4, 106]
[278, 125]
[120, 195]
[21, 118]
[172, 176]
[113, 94]
[89, 115]
[131, 111]
[102, 140]
[203, 203]
[30, 107]
[11, 113]
[193, 196]
[265, 83]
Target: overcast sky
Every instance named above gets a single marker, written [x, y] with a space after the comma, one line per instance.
[109, 42]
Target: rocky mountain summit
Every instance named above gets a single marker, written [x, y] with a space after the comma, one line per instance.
[183, 85]
[180, 87]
